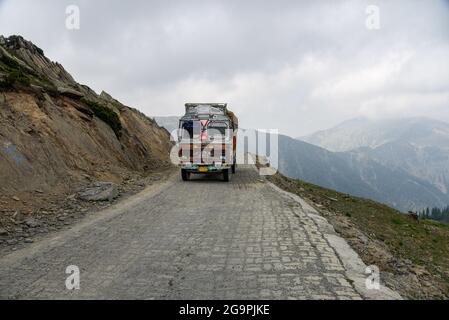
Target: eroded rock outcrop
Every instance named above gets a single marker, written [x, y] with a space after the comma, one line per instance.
[54, 132]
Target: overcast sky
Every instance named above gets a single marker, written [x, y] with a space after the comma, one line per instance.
[298, 66]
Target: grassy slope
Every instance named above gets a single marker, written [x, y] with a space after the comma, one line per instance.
[425, 243]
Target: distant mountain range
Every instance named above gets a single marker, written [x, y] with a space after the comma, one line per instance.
[363, 132]
[357, 174]
[401, 162]
[418, 146]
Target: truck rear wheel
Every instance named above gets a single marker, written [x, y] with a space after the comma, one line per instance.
[226, 175]
[185, 175]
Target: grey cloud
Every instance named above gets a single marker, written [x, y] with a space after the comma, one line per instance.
[294, 65]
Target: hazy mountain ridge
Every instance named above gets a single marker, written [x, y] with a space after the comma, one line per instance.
[419, 146]
[356, 174]
[363, 132]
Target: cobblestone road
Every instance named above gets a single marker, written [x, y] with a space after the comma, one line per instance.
[202, 239]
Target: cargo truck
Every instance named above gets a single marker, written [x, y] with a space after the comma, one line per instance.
[207, 139]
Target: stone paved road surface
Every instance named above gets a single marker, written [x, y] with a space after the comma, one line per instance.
[202, 239]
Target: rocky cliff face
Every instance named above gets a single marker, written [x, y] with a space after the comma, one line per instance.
[56, 134]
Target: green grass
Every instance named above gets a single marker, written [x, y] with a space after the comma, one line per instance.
[106, 114]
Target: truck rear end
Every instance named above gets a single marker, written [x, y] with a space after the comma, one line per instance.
[207, 139]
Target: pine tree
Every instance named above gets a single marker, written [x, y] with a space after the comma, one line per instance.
[438, 214]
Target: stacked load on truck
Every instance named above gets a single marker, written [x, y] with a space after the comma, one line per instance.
[210, 111]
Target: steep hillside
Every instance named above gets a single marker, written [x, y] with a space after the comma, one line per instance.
[356, 174]
[429, 163]
[57, 135]
[418, 146]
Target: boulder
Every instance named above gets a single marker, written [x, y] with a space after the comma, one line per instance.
[99, 191]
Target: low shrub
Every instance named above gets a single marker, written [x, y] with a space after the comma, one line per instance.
[105, 114]
[13, 77]
[9, 62]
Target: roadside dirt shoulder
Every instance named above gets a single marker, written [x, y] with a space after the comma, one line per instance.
[19, 227]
